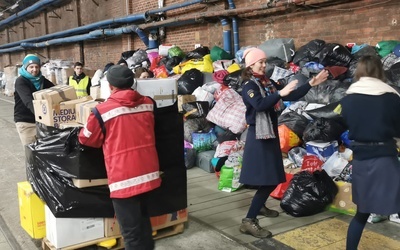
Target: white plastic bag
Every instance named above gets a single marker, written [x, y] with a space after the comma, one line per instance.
[335, 164]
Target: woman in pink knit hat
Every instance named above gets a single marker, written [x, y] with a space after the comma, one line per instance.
[262, 158]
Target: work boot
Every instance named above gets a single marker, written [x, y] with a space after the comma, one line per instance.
[268, 212]
[251, 226]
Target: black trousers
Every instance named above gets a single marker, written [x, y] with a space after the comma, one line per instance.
[134, 222]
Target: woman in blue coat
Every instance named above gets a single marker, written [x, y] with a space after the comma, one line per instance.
[262, 158]
[371, 110]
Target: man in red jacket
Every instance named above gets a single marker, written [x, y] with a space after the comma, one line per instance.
[124, 126]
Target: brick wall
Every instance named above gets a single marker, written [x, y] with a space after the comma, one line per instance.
[359, 21]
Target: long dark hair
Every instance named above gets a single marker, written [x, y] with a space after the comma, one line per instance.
[247, 73]
[370, 66]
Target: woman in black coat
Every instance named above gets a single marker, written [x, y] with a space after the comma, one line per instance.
[262, 158]
[371, 110]
[29, 81]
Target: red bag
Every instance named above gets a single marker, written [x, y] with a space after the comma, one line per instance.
[311, 163]
[281, 188]
[160, 72]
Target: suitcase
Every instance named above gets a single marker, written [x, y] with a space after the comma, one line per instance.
[203, 160]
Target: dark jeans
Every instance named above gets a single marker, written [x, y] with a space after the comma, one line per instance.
[134, 222]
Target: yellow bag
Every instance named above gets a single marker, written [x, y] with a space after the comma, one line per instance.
[233, 67]
[204, 65]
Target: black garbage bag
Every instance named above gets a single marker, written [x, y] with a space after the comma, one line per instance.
[171, 196]
[227, 135]
[172, 62]
[308, 193]
[307, 52]
[61, 149]
[393, 74]
[334, 54]
[271, 63]
[323, 130]
[43, 131]
[197, 53]
[53, 161]
[135, 58]
[325, 93]
[195, 109]
[189, 81]
[234, 80]
[302, 79]
[296, 122]
[351, 69]
[326, 112]
[190, 157]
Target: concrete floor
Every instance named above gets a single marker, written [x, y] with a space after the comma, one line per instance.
[214, 216]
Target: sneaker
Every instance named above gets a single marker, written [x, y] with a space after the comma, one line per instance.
[251, 226]
[375, 218]
[268, 212]
[394, 218]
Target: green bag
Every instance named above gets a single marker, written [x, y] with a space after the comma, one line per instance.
[384, 48]
[176, 51]
[229, 178]
[217, 53]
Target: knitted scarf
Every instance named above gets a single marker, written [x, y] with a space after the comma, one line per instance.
[37, 81]
[264, 128]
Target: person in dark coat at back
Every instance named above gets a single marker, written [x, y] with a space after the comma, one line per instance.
[29, 81]
[371, 110]
[262, 158]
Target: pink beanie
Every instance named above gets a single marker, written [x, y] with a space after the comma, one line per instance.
[253, 55]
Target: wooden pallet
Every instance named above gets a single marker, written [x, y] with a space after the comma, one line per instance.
[46, 244]
[169, 231]
[161, 233]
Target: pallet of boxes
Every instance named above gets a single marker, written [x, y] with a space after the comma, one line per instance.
[74, 209]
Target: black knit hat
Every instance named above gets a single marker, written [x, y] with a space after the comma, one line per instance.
[120, 76]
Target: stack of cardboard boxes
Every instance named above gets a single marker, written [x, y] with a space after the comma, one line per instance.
[57, 107]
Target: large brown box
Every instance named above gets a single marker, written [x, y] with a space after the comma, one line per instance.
[53, 115]
[83, 110]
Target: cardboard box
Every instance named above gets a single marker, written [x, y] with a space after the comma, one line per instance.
[322, 149]
[31, 211]
[63, 232]
[56, 94]
[56, 114]
[111, 227]
[95, 92]
[163, 90]
[343, 201]
[167, 220]
[185, 99]
[82, 183]
[83, 110]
